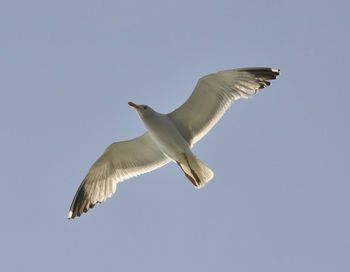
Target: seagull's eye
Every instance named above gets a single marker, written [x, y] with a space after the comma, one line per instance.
[145, 107]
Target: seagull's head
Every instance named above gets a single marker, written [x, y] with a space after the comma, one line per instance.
[142, 110]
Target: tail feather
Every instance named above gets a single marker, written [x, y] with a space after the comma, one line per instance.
[196, 171]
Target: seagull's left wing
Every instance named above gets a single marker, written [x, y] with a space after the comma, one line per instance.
[213, 95]
[120, 161]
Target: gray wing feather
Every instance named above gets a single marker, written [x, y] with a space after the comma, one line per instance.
[213, 95]
[120, 161]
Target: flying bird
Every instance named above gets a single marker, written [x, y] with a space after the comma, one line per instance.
[170, 137]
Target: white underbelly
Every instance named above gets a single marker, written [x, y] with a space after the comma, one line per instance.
[168, 139]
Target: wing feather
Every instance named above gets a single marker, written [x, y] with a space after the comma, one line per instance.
[120, 161]
[213, 95]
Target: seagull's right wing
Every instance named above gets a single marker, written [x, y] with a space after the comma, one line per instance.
[213, 95]
[120, 161]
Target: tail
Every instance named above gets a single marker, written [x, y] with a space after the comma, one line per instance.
[195, 170]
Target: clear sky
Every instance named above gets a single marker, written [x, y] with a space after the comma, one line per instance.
[280, 197]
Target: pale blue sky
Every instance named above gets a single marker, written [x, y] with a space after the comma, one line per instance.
[280, 197]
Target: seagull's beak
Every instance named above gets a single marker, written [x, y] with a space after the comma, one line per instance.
[134, 105]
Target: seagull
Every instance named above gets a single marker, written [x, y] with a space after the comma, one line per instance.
[170, 137]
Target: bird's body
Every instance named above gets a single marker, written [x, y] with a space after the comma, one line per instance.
[166, 135]
[170, 137]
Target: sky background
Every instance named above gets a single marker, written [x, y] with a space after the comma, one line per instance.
[280, 197]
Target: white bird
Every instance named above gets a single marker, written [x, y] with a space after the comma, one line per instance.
[170, 137]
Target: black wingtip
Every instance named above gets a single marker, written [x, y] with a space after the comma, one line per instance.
[276, 71]
[263, 74]
[79, 208]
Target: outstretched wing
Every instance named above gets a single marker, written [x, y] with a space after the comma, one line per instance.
[120, 161]
[213, 95]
